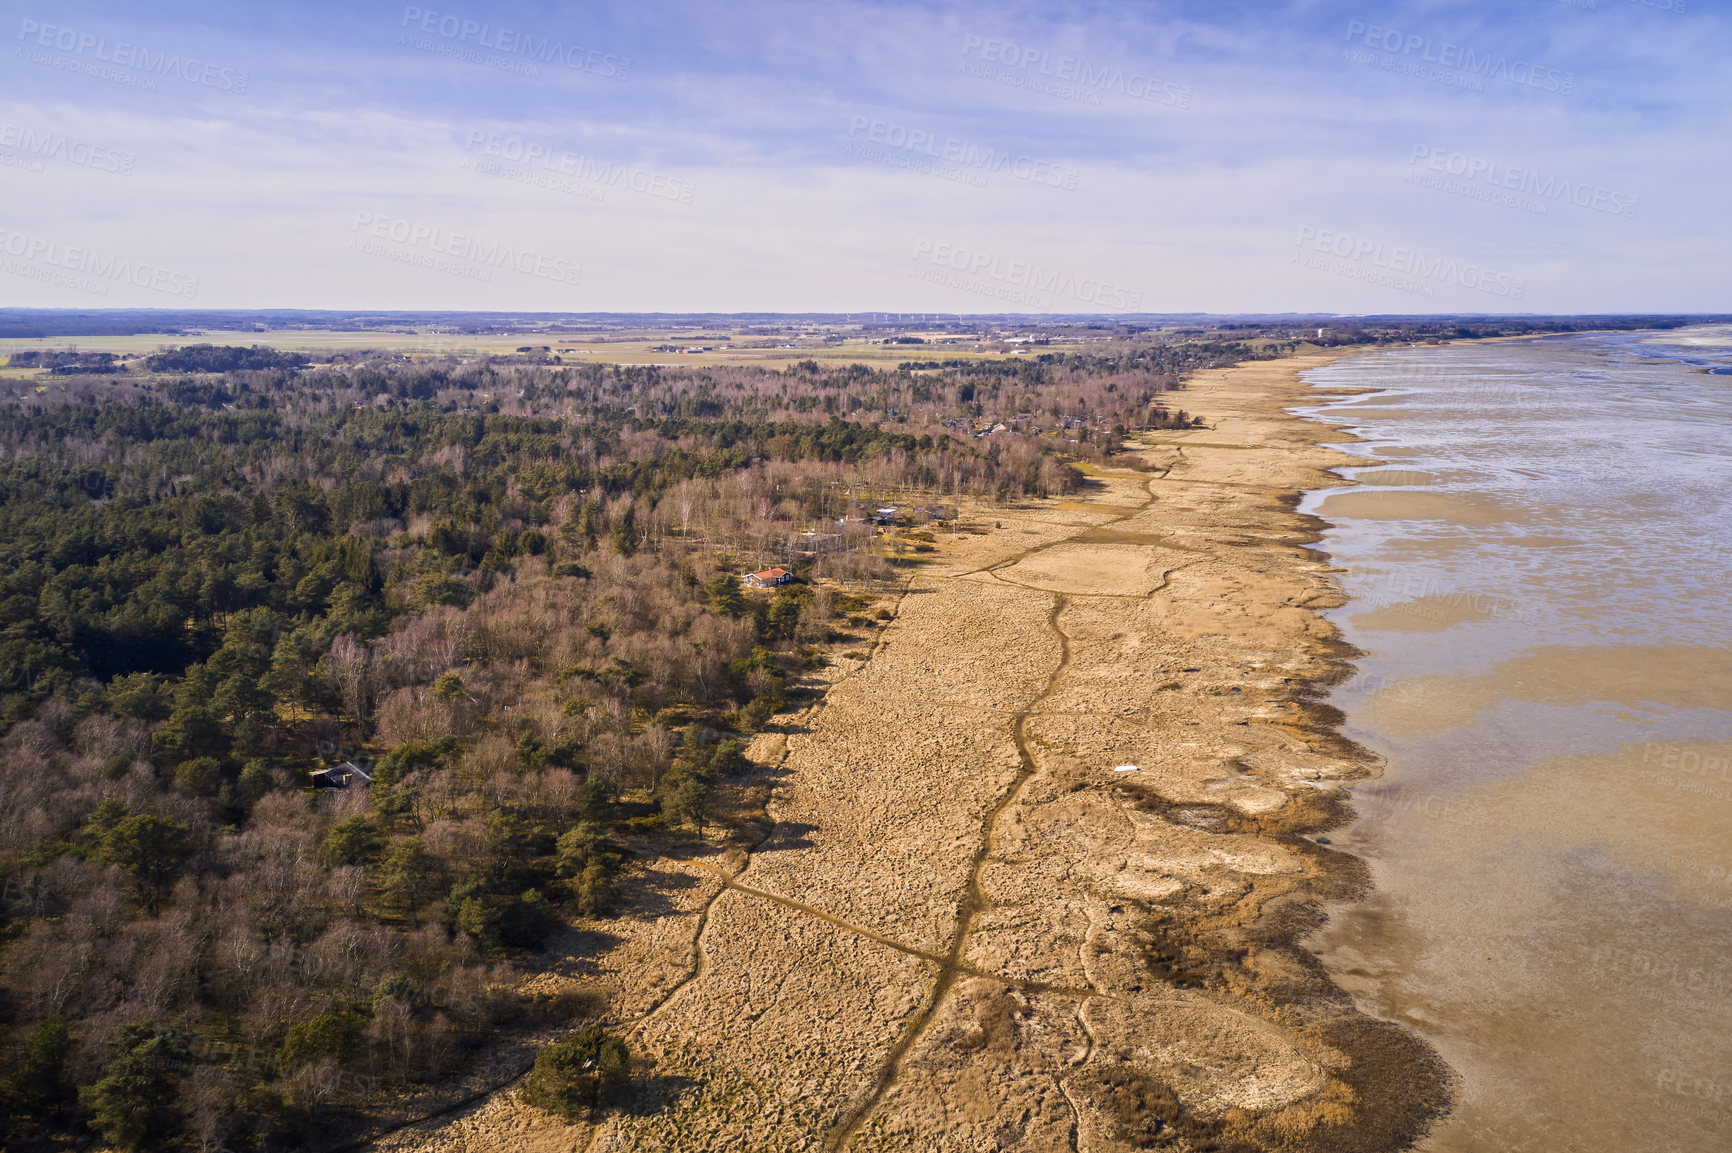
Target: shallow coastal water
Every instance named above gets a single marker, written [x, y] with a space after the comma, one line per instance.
[1539, 577]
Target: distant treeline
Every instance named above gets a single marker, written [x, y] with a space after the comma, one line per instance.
[33, 323]
[191, 358]
[221, 358]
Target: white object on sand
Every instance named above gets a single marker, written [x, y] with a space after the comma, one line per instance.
[1124, 768]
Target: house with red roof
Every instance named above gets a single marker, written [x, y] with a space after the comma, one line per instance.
[768, 579]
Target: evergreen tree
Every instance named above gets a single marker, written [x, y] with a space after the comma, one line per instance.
[132, 1102]
[578, 1076]
[153, 851]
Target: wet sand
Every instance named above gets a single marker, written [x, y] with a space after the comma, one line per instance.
[1551, 838]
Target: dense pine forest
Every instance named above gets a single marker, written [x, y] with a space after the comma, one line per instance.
[508, 591]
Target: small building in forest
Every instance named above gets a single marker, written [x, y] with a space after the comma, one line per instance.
[768, 579]
[342, 776]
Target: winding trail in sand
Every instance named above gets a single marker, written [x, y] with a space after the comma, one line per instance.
[963, 930]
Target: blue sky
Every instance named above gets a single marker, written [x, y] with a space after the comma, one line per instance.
[1525, 156]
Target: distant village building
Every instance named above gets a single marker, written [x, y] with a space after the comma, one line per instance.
[886, 515]
[769, 578]
[342, 776]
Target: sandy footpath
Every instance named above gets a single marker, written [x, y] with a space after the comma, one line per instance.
[965, 930]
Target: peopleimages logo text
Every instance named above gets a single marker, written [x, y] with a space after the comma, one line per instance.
[52, 146]
[1071, 70]
[509, 42]
[467, 247]
[963, 153]
[1447, 55]
[91, 271]
[1408, 262]
[534, 155]
[1526, 181]
[1020, 274]
[124, 54]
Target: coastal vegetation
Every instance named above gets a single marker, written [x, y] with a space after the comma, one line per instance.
[508, 594]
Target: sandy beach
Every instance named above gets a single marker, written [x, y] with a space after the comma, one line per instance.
[972, 925]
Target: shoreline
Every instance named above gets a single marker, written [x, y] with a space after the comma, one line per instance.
[1519, 835]
[1419, 1073]
[965, 925]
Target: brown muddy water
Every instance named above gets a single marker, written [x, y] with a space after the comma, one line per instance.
[1540, 586]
